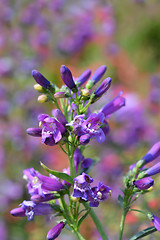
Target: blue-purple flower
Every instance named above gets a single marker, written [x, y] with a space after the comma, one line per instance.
[82, 186]
[40, 79]
[156, 222]
[29, 209]
[40, 184]
[67, 78]
[82, 189]
[52, 130]
[89, 128]
[55, 231]
[80, 160]
[144, 183]
[99, 194]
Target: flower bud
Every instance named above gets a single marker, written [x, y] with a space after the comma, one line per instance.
[42, 98]
[40, 79]
[153, 170]
[85, 92]
[144, 183]
[59, 116]
[96, 76]
[55, 231]
[153, 153]
[38, 87]
[105, 85]
[35, 132]
[83, 77]
[84, 139]
[67, 78]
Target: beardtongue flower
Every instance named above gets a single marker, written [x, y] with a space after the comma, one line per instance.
[96, 76]
[40, 184]
[144, 183]
[156, 222]
[55, 231]
[35, 132]
[45, 198]
[153, 153]
[83, 77]
[99, 194]
[105, 85]
[79, 159]
[59, 116]
[40, 79]
[52, 130]
[67, 78]
[82, 186]
[29, 209]
[151, 171]
[113, 106]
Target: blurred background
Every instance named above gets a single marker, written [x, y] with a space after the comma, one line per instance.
[43, 35]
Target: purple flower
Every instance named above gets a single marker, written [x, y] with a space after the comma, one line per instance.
[84, 139]
[80, 160]
[89, 128]
[96, 76]
[92, 126]
[67, 78]
[29, 209]
[59, 116]
[40, 79]
[40, 184]
[99, 194]
[153, 153]
[144, 183]
[55, 231]
[105, 85]
[82, 186]
[153, 170]
[45, 198]
[156, 222]
[113, 106]
[83, 77]
[52, 130]
[35, 132]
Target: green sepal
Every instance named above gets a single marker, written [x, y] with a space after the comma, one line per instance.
[144, 233]
[121, 200]
[60, 175]
[82, 218]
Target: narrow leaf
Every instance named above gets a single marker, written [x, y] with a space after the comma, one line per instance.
[82, 218]
[144, 233]
[60, 175]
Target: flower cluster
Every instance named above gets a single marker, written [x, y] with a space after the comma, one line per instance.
[71, 126]
[82, 189]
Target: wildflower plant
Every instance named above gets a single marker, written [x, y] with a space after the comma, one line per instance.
[71, 194]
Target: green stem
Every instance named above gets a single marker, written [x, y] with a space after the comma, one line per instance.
[79, 236]
[97, 222]
[122, 224]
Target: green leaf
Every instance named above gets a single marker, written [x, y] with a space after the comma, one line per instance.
[120, 200]
[60, 175]
[144, 233]
[82, 218]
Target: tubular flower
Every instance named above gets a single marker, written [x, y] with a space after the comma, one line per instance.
[40, 184]
[29, 209]
[55, 231]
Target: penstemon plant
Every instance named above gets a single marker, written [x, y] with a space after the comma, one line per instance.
[70, 194]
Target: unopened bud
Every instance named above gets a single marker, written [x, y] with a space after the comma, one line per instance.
[42, 98]
[38, 87]
[74, 199]
[85, 92]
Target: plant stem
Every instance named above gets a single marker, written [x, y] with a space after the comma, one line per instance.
[79, 236]
[97, 222]
[122, 224]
